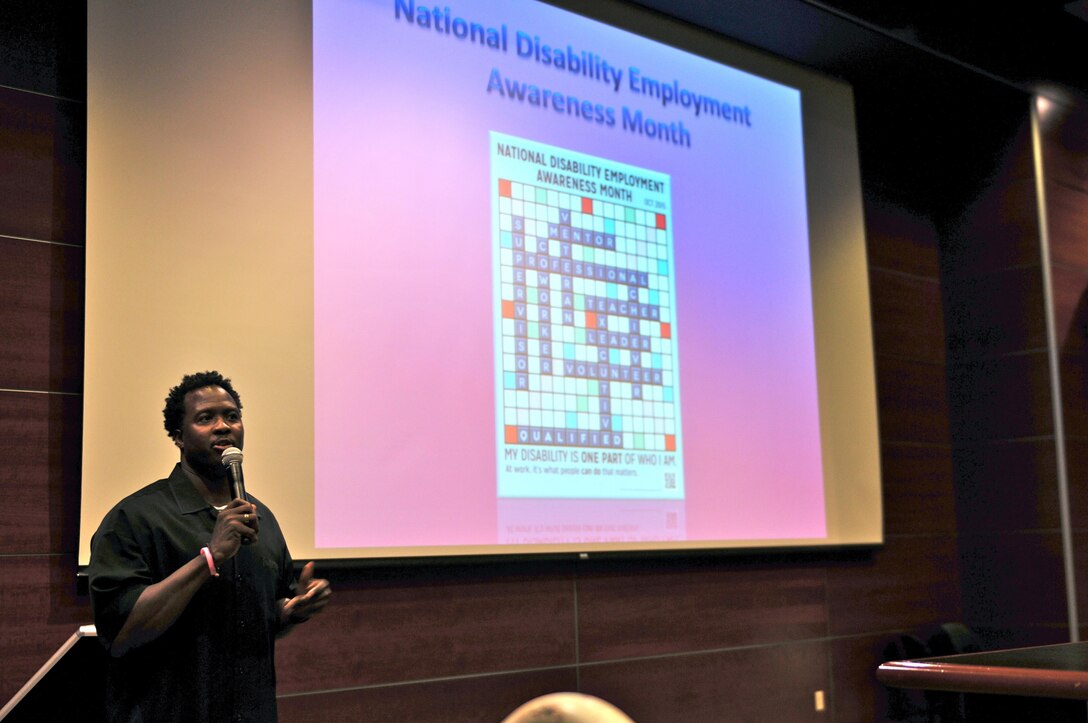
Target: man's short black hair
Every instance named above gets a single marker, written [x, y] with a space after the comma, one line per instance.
[174, 411]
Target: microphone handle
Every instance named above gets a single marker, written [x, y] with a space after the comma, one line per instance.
[237, 484]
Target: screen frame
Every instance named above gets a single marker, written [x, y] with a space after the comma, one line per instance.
[133, 150]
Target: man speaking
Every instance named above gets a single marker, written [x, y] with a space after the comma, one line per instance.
[190, 584]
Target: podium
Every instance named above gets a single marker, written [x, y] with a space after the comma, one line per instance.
[68, 687]
[1045, 683]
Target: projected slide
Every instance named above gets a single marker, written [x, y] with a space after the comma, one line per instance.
[585, 333]
[562, 288]
[686, 363]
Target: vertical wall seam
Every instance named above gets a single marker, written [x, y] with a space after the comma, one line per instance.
[1054, 361]
[577, 642]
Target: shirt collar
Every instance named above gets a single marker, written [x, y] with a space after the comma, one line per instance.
[185, 494]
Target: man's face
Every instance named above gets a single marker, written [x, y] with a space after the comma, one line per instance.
[212, 422]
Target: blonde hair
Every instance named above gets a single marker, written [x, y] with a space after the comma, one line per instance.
[567, 708]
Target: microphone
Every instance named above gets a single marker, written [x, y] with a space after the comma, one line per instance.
[232, 460]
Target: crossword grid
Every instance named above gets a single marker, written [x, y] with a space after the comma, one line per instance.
[587, 322]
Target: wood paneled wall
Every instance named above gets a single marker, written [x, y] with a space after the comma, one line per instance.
[1007, 496]
[739, 637]
[1064, 137]
[42, 117]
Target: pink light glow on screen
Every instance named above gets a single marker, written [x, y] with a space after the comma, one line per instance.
[404, 371]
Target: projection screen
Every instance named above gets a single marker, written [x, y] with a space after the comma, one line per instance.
[490, 278]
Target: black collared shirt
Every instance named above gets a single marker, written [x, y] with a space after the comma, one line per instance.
[216, 662]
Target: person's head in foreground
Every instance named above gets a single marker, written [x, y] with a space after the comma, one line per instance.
[567, 708]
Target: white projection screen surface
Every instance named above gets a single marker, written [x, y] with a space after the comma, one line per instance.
[490, 278]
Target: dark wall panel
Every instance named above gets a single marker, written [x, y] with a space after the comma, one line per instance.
[1067, 217]
[917, 481]
[41, 611]
[910, 583]
[466, 700]
[1065, 146]
[433, 624]
[41, 316]
[907, 318]
[1008, 485]
[1000, 228]
[1080, 552]
[1065, 157]
[1001, 403]
[1074, 390]
[854, 662]
[39, 495]
[1069, 285]
[1005, 397]
[45, 47]
[912, 399]
[999, 312]
[900, 239]
[774, 683]
[1014, 580]
[1076, 454]
[638, 611]
[42, 167]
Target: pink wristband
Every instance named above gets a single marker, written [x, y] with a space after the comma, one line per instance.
[207, 553]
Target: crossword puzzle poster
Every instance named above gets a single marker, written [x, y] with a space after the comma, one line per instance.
[586, 384]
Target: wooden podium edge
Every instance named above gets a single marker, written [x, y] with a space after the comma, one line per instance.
[946, 675]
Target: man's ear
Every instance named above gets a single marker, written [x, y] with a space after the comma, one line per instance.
[176, 436]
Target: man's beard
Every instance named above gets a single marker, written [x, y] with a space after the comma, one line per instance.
[208, 468]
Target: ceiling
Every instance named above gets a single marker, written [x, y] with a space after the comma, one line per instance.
[1035, 45]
